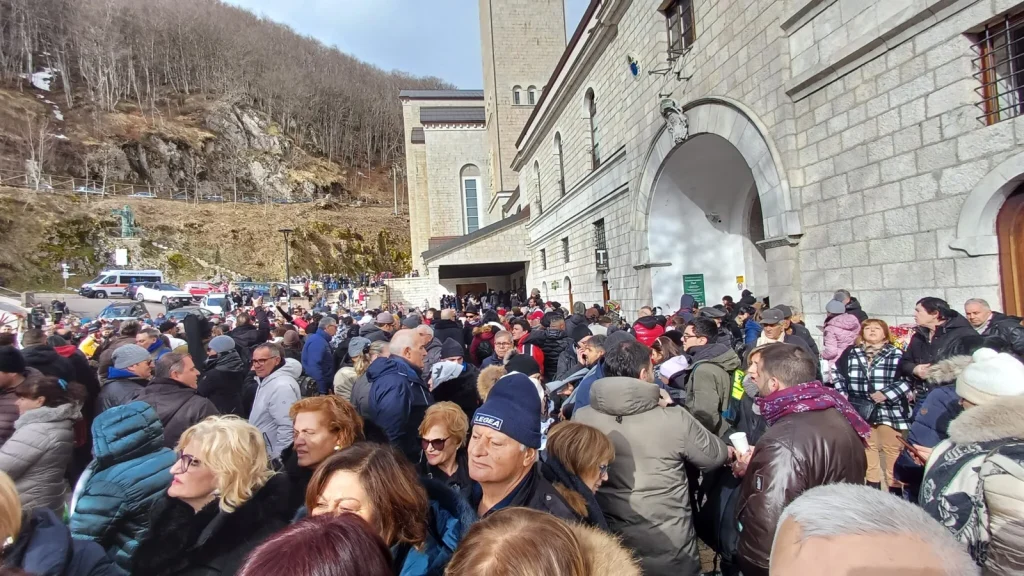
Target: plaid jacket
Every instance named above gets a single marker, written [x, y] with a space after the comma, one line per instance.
[855, 378]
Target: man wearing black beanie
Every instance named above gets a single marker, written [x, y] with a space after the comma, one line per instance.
[503, 452]
[12, 373]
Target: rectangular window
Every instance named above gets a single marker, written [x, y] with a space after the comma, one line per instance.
[565, 249]
[531, 96]
[599, 238]
[679, 20]
[543, 259]
[1000, 69]
[469, 186]
[515, 97]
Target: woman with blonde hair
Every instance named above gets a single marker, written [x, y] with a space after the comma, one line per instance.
[37, 542]
[322, 426]
[577, 465]
[525, 542]
[361, 362]
[443, 439]
[420, 522]
[223, 502]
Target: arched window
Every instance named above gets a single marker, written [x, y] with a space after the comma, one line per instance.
[561, 164]
[471, 197]
[517, 95]
[590, 109]
[536, 181]
[531, 95]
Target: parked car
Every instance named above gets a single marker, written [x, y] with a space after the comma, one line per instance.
[179, 314]
[217, 302]
[198, 288]
[162, 293]
[123, 311]
[129, 291]
[88, 190]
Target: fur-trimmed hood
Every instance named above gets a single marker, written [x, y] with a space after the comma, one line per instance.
[606, 553]
[946, 371]
[989, 422]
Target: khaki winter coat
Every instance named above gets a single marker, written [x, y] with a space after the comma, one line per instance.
[984, 456]
[646, 499]
[37, 455]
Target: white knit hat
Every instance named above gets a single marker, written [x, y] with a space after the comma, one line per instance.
[990, 376]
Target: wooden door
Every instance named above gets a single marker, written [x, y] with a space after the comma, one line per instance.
[1010, 228]
[474, 289]
[605, 292]
[571, 299]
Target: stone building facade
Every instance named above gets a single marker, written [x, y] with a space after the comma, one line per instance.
[791, 147]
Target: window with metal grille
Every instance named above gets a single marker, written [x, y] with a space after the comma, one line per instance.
[595, 146]
[599, 239]
[543, 259]
[561, 164]
[999, 65]
[565, 249]
[679, 20]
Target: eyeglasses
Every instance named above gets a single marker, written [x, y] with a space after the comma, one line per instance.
[689, 336]
[437, 444]
[187, 461]
[603, 469]
[260, 361]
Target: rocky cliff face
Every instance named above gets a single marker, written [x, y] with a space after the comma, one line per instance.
[216, 148]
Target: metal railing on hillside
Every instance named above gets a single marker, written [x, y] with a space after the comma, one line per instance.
[91, 188]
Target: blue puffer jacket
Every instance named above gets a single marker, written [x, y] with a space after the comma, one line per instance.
[398, 401]
[931, 419]
[318, 360]
[45, 547]
[751, 331]
[450, 517]
[129, 473]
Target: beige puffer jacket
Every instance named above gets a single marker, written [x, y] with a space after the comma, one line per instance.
[646, 499]
[38, 453]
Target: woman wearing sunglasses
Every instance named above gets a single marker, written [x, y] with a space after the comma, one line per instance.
[443, 439]
[223, 502]
[577, 465]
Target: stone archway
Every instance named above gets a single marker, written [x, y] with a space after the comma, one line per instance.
[722, 123]
[976, 227]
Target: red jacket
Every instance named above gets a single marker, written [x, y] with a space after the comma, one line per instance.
[647, 330]
[534, 351]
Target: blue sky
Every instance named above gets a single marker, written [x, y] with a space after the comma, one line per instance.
[424, 37]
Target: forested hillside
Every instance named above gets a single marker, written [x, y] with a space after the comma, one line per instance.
[147, 52]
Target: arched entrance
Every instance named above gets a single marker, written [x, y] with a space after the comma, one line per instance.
[715, 206]
[1010, 231]
[702, 223]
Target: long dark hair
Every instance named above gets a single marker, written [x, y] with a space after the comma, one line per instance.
[57, 391]
[327, 545]
[933, 305]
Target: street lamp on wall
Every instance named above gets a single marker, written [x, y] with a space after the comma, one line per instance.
[287, 267]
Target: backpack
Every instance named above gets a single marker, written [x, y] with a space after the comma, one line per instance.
[308, 386]
[732, 411]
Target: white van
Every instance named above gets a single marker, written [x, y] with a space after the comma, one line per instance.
[114, 282]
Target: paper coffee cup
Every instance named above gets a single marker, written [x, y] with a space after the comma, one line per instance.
[739, 442]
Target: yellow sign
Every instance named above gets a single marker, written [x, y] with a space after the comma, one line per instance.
[739, 279]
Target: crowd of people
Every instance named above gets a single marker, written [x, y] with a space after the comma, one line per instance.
[505, 435]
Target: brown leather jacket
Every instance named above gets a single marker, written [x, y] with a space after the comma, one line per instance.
[797, 453]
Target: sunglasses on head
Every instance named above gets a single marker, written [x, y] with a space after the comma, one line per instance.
[437, 445]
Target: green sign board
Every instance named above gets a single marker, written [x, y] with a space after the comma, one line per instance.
[693, 284]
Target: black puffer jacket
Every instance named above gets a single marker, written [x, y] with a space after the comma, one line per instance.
[48, 361]
[211, 542]
[461, 390]
[445, 329]
[552, 342]
[248, 336]
[1008, 328]
[177, 405]
[222, 382]
[923, 351]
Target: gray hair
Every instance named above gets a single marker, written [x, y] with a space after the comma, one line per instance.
[425, 328]
[151, 332]
[844, 293]
[979, 301]
[447, 314]
[169, 363]
[504, 334]
[854, 510]
[275, 350]
[327, 322]
[402, 341]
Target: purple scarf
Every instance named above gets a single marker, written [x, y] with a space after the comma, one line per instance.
[809, 397]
